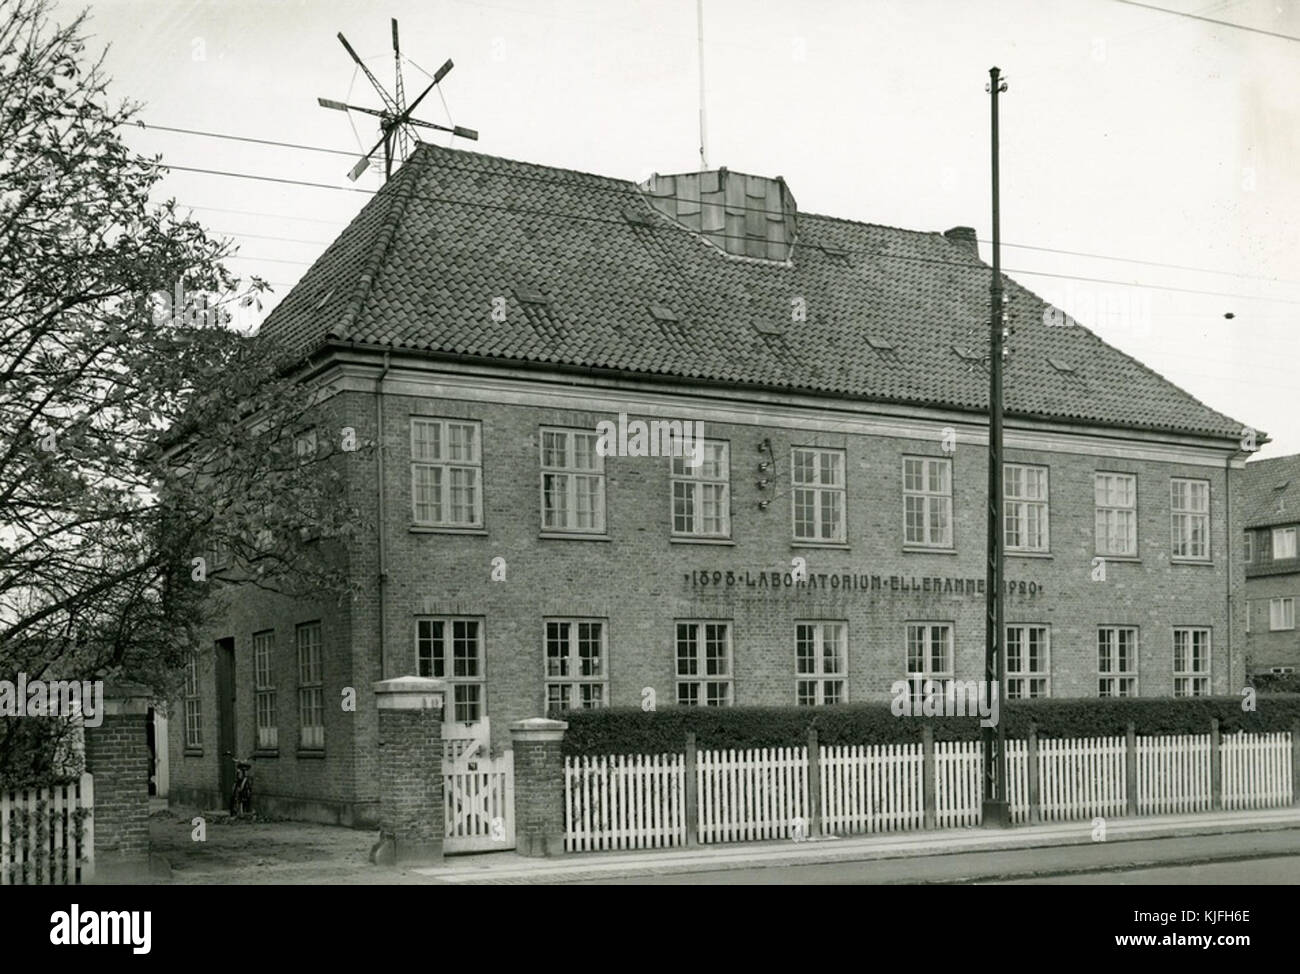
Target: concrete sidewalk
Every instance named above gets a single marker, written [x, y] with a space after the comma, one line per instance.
[511, 868]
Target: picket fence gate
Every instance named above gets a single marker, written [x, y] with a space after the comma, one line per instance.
[646, 801]
[44, 838]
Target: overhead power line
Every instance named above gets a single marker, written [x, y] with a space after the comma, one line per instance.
[1209, 20]
[619, 190]
[585, 218]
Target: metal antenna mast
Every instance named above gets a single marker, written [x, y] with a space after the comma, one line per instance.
[397, 127]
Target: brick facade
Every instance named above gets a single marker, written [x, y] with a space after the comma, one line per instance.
[638, 580]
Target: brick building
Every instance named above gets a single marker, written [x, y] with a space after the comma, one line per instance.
[481, 318]
[1271, 513]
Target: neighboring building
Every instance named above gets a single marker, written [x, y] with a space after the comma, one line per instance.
[1271, 514]
[495, 313]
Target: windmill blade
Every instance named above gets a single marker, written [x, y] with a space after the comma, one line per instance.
[442, 71]
[397, 51]
[399, 90]
[459, 130]
[388, 102]
[340, 106]
[364, 162]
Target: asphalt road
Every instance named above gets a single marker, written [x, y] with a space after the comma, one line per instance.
[1254, 858]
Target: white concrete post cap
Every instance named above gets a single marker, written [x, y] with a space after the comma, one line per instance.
[538, 729]
[411, 693]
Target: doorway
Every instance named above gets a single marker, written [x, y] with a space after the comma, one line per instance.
[225, 667]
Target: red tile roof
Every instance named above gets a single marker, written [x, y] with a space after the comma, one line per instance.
[890, 315]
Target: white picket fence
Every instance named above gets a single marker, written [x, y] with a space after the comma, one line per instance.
[752, 794]
[621, 801]
[39, 840]
[872, 788]
[1173, 774]
[1256, 770]
[640, 801]
[1081, 778]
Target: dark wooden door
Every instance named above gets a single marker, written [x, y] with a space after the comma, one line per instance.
[226, 715]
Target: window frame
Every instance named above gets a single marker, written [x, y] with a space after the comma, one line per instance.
[819, 677]
[266, 730]
[193, 706]
[460, 699]
[446, 465]
[572, 682]
[917, 680]
[926, 495]
[1283, 532]
[1249, 553]
[1022, 524]
[701, 680]
[1286, 605]
[571, 473]
[819, 490]
[1101, 539]
[697, 483]
[1023, 674]
[311, 685]
[1176, 513]
[1196, 677]
[1116, 676]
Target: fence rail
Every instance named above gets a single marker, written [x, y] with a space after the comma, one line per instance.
[47, 835]
[655, 801]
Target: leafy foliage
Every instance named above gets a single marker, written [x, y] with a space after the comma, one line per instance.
[137, 434]
[634, 731]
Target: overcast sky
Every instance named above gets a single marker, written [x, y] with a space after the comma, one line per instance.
[1126, 133]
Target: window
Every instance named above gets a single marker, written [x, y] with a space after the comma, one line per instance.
[819, 663]
[818, 497]
[464, 670]
[446, 470]
[264, 687]
[929, 655]
[927, 502]
[701, 505]
[1250, 547]
[704, 664]
[1281, 614]
[1191, 662]
[1283, 543]
[573, 482]
[1115, 495]
[1028, 662]
[1189, 512]
[311, 692]
[1117, 664]
[575, 664]
[1024, 499]
[193, 706]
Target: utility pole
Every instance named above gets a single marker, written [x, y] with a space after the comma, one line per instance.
[996, 809]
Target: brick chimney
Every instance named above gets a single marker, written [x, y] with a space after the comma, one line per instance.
[742, 215]
[964, 237]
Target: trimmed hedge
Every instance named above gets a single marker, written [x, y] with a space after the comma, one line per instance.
[618, 730]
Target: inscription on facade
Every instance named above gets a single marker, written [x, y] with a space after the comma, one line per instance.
[851, 582]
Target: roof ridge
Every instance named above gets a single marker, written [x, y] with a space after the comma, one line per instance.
[428, 148]
[382, 242]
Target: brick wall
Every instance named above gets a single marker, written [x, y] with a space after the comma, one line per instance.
[638, 579]
[1265, 648]
[117, 754]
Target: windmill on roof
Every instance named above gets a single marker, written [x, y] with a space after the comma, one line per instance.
[397, 127]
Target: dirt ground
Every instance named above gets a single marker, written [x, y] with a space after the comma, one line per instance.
[258, 851]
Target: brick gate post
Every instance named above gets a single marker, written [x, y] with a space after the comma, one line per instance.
[117, 755]
[410, 770]
[539, 786]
